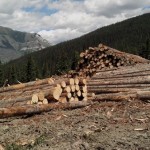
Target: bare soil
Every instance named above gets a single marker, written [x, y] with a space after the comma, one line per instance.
[101, 126]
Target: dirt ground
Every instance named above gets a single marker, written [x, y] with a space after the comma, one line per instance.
[101, 126]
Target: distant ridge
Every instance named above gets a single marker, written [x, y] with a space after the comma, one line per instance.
[14, 44]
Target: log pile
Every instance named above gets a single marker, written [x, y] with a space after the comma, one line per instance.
[102, 58]
[124, 83]
[43, 95]
[44, 91]
[68, 90]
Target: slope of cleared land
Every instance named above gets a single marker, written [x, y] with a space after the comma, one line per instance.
[101, 126]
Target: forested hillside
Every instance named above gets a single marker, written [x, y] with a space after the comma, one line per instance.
[132, 35]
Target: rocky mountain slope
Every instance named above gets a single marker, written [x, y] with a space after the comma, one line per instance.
[14, 44]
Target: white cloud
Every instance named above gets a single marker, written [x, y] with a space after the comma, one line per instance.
[72, 18]
[57, 35]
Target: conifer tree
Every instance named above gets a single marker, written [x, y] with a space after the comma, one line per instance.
[45, 70]
[30, 70]
[75, 60]
[148, 49]
[12, 75]
[1, 74]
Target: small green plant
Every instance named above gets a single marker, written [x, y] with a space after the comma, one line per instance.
[14, 146]
[39, 140]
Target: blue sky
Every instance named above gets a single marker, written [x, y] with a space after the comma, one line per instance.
[146, 7]
[44, 10]
[60, 20]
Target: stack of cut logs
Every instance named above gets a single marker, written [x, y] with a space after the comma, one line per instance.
[68, 90]
[125, 83]
[42, 95]
[44, 92]
[104, 57]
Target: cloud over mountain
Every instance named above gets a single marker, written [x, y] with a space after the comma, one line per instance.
[59, 20]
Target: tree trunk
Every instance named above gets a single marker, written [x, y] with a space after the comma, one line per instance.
[36, 109]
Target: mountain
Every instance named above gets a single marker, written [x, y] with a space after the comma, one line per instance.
[131, 35]
[14, 44]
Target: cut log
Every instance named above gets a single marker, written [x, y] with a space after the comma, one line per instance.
[84, 89]
[115, 97]
[143, 95]
[125, 70]
[41, 96]
[137, 80]
[69, 95]
[76, 99]
[34, 99]
[40, 103]
[63, 84]
[67, 89]
[63, 100]
[111, 90]
[23, 85]
[71, 81]
[73, 88]
[11, 102]
[71, 100]
[76, 81]
[91, 86]
[45, 101]
[58, 85]
[77, 87]
[53, 94]
[79, 93]
[136, 74]
[28, 102]
[36, 109]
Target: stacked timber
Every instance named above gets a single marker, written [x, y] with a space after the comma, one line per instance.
[102, 58]
[68, 90]
[73, 90]
[124, 83]
[44, 91]
[59, 94]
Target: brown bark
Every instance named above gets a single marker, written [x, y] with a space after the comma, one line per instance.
[111, 90]
[36, 109]
[143, 95]
[134, 80]
[122, 76]
[138, 68]
[29, 84]
[92, 86]
[115, 97]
